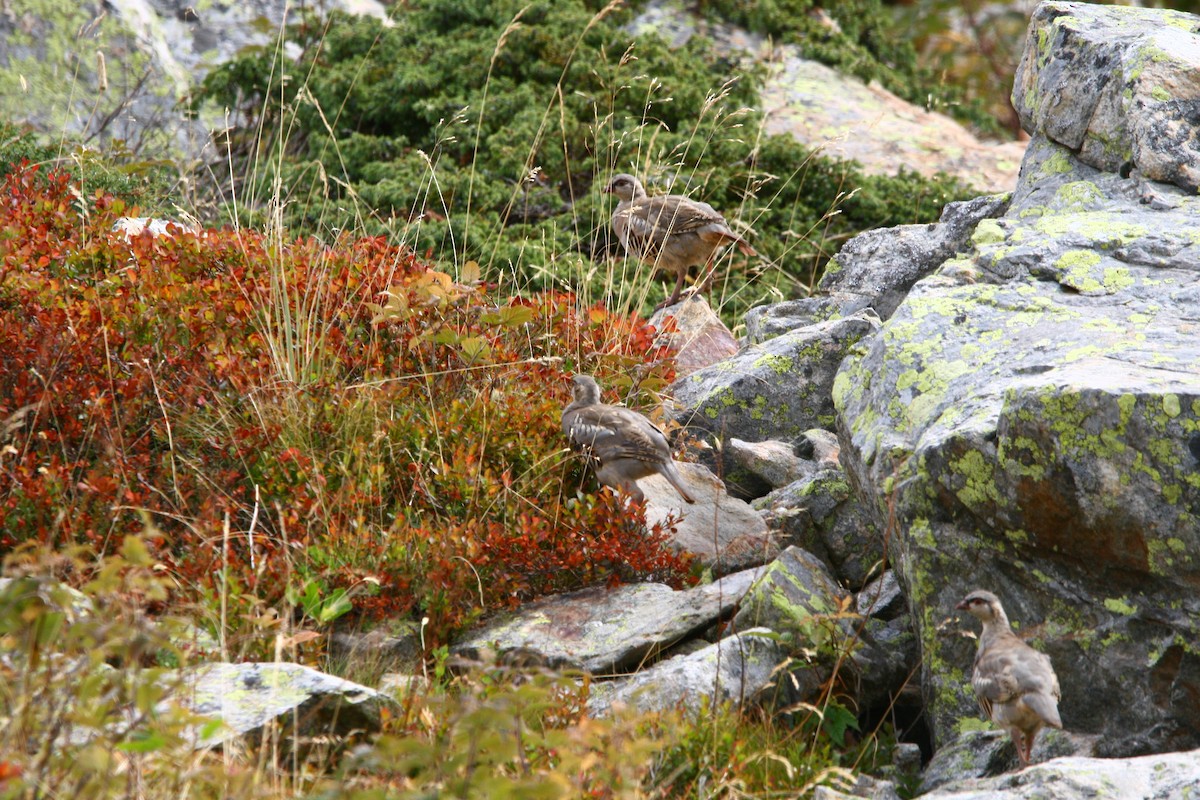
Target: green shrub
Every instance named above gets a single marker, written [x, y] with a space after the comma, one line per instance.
[480, 130]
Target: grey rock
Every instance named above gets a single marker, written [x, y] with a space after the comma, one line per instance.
[696, 334]
[907, 758]
[822, 446]
[883, 264]
[723, 532]
[985, 753]
[774, 461]
[1157, 777]
[603, 631]
[796, 596]
[819, 514]
[774, 390]
[767, 322]
[741, 669]
[1116, 88]
[881, 598]
[1026, 421]
[863, 786]
[1044, 418]
[246, 697]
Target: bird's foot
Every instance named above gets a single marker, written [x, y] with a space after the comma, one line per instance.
[670, 301]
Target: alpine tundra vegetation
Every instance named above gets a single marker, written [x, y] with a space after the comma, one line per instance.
[288, 324]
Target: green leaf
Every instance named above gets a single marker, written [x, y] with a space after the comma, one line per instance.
[475, 348]
[509, 316]
[334, 606]
[143, 742]
[837, 720]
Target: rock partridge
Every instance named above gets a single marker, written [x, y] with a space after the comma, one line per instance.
[670, 231]
[626, 444]
[1015, 685]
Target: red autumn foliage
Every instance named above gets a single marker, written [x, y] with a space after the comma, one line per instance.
[277, 412]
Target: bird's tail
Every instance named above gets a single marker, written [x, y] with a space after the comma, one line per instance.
[1044, 706]
[675, 479]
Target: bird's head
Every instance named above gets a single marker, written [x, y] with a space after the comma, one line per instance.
[585, 390]
[625, 187]
[982, 605]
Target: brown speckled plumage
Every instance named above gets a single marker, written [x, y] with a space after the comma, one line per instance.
[626, 444]
[670, 231]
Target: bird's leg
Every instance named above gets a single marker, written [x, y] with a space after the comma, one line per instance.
[710, 269]
[1019, 740]
[670, 301]
[633, 490]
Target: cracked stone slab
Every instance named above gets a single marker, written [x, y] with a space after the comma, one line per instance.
[605, 631]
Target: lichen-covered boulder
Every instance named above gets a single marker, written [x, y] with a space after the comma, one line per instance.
[1172, 775]
[1119, 87]
[820, 514]
[797, 596]
[774, 390]
[1038, 438]
[978, 753]
[1029, 418]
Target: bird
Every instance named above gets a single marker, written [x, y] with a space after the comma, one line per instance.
[626, 444]
[670, 231]
[1015, 685]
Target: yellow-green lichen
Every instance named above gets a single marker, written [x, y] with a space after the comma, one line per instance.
[1171, 405]
[1056, 164]
[1078, 196]
[979, 485]
[1120, 605]
[988, 232]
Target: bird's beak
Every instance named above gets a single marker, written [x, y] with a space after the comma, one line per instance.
[606, 190]
[962, 606]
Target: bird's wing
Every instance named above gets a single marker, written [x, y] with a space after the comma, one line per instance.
[650, 221]
[1010, 669]
[1038, 685]
[612, 433]
[994, 679]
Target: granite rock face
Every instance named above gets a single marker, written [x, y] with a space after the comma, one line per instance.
[1028, 419]
[778, 389]
[1121, 89]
